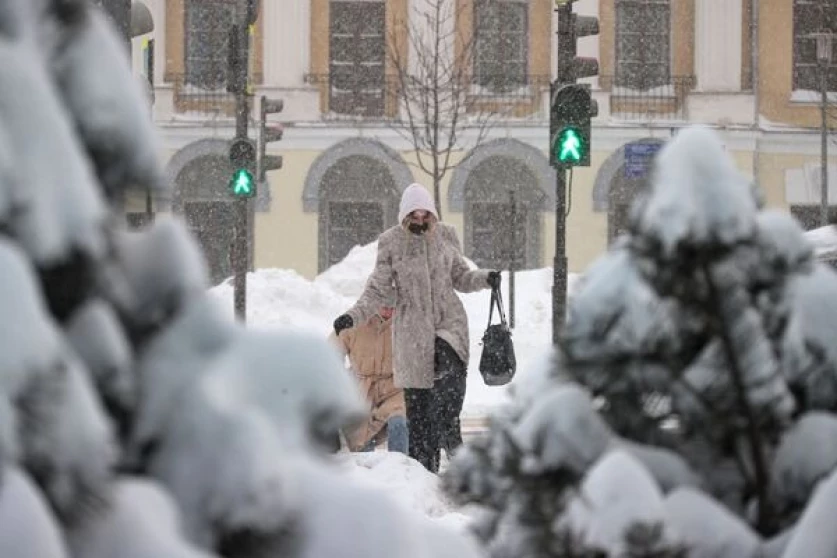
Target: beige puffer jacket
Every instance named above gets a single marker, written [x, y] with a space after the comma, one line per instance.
[369, 348]
[425, 271]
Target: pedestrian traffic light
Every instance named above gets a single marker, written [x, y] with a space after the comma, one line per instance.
[243, 158]
[268, 134]
[570, 123]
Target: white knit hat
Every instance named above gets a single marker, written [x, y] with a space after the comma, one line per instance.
[416, 196]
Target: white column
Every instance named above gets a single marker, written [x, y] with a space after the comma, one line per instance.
[718, 44]
[287, 44]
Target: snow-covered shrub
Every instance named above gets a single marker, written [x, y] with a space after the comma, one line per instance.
[697, 348]
[135, 419]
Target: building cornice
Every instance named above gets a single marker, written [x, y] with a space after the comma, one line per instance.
[319, 136]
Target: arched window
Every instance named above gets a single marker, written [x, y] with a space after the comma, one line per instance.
[208, 211]
[358, 201]
[497, 233]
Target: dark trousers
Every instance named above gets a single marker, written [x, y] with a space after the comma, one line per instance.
[433, 414]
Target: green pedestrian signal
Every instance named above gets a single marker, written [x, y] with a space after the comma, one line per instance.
[242, 184]
[568, 147]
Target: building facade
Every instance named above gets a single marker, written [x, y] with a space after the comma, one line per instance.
[736, 65]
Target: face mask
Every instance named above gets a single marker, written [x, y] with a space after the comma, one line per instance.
[415, 228]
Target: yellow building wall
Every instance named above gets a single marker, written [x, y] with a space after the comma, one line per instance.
[586, 229]
[776, 67]
[286, 236]
[772, 168]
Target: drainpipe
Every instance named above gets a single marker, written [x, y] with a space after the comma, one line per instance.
[754, 76]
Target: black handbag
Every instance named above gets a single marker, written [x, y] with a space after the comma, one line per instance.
[497, 362]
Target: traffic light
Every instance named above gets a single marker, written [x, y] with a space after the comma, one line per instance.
[237, 50]
[268, 134]
[572, 27]
[572, 105]
[569, 124]
[243, 158]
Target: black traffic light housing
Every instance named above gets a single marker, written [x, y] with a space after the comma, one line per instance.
[572, 108]
[243, 160]
[572, 105]
[237, 59]
[572, 27]
[268, 134]
[238, 38]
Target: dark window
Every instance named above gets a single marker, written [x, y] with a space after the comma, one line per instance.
[813, 16]
[206, 34]
[501, 44]
[357, 50]
[491, 236]
[497, 237]
[358, 200]
[352, 224]
[213, 225]
[809, 215]
[617, 220]
[139, 220]
[643, 43]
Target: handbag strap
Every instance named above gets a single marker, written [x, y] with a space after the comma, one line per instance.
[496, 300]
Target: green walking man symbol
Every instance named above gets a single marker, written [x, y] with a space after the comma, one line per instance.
[570, 145]
[241, 184]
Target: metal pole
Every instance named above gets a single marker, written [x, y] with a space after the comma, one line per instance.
[512, 257]
[240, 252]
[149, 69]
[559, 269]
[824, 146]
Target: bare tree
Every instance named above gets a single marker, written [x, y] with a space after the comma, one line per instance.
[431, 68]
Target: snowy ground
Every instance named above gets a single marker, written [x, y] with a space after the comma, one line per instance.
[281, 298]
[405, 480]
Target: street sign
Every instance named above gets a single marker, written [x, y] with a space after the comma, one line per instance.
[638, 158]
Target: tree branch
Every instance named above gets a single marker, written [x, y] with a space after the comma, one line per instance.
[766, 518]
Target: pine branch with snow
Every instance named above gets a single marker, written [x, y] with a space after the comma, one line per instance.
[706, 332]
[136, 419]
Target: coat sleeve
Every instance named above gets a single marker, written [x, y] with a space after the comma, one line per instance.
[378, 289]
[465, 280]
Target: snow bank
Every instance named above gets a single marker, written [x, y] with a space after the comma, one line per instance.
[281, 298]
[824, 240]
[407, 481]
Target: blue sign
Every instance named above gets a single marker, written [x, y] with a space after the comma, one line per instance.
[638, 157]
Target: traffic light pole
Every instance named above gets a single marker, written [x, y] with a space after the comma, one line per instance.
[566, 53]
[559, 266]
[241, 250]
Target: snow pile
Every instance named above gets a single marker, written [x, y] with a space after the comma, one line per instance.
[824, 240]
[408, 482]
[282, 299]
